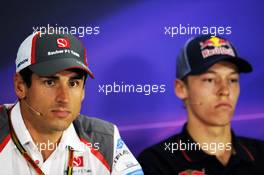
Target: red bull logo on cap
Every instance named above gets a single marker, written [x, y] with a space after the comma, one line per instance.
[216, 46]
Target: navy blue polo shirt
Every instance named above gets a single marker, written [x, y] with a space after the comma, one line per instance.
[164, 159]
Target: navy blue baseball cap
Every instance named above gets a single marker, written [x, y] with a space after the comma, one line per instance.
[200, 53]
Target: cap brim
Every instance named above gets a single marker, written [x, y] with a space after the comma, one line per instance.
[242, 65]
[52, 67]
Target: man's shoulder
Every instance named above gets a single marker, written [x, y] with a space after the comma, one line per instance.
[254, 148]
[97, 131]
[252, 144]
[161, 149]
[164, 142]
[1, 108]
[159, 158]
[249, 140]
[94, 125]
[3, 115]
[4, 127]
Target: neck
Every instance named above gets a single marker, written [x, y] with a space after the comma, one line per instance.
[45, 142]
[218, 137]
[45, 139]
[205, 133]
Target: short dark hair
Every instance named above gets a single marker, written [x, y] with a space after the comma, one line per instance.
[27, 73]
[185, 80]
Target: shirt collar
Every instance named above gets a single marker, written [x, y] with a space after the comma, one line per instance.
[19, 126]
[242, 150]
[69, 136]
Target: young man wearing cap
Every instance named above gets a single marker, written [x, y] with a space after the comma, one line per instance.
[43, 133]
[208, 72]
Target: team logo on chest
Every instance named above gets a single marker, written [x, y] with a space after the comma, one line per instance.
[78, 161]
[192, 172]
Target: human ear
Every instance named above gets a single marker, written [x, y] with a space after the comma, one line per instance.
[180, 89]
[19, 86]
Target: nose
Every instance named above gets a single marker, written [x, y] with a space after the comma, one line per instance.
[224, 88]
[62, 95]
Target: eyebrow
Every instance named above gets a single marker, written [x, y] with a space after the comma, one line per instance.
[213, 72]
[54, 77]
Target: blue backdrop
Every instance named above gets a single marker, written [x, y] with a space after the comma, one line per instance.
[132, 48]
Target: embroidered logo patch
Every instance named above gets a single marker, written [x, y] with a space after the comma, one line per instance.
[216, 46]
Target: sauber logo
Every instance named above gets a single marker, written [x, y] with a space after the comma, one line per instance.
[78, 161]
[63, 43]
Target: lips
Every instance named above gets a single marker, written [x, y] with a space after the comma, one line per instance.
[61, 112]
[224, 105]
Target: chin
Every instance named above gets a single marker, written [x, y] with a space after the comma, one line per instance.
[60, 126]
[221, 122]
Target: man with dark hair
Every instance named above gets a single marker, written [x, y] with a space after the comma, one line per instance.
[44, 133]
[207, 81]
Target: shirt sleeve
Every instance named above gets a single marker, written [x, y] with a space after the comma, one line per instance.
[124, 163]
